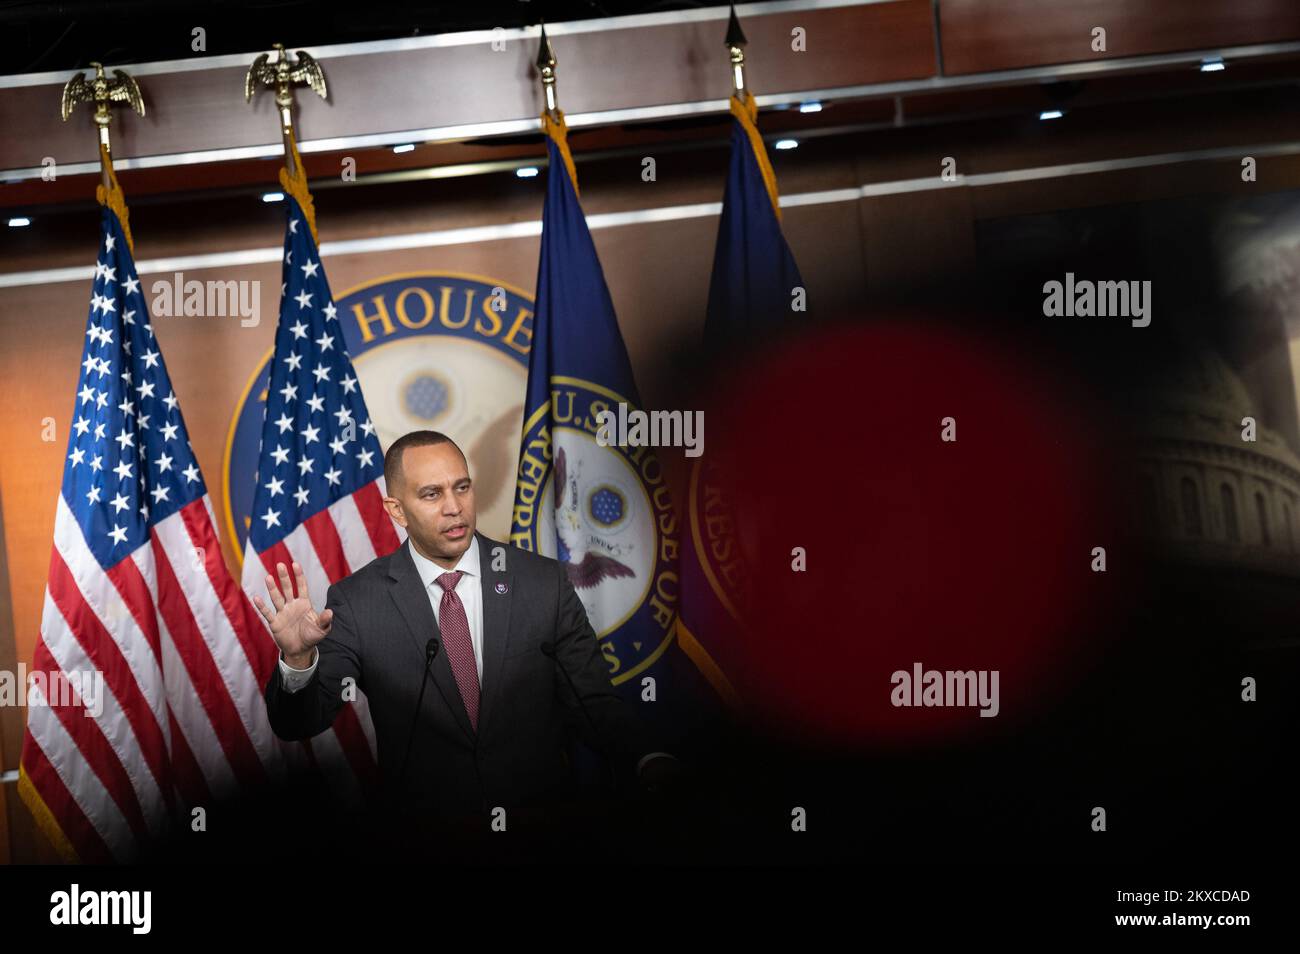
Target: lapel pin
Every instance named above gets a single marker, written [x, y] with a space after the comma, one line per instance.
[503, 588]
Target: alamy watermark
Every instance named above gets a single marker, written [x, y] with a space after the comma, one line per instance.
[76, 906]
[1087, 299]
[56, 688]
[950, 687]
[634, 428]
[208, 299]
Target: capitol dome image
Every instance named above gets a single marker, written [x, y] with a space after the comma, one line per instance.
[1205, 493]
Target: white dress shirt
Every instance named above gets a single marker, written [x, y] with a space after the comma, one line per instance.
[470, 590]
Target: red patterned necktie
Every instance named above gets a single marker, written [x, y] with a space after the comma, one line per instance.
[454, 626]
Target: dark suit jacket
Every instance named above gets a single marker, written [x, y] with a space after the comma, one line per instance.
[382, 624]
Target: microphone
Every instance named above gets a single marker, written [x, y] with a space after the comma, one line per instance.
[430, 650]
[548, 650]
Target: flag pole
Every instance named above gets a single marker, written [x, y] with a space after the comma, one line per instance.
[745, 109]
[553, 123]
[283, 76]
[546, 67]
[103, 92]
[735, 42]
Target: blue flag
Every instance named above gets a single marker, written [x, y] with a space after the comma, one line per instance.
[755, 288]
[755, 292]
[604, 510]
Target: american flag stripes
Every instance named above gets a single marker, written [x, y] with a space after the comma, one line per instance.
[138, 591]
[320, 482]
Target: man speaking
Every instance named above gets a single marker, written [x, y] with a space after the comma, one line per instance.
[474, 656]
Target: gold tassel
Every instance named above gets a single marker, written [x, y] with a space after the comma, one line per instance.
[44, 818]
[296, 186]
[747, 113]
[113, 196]
[557, 130]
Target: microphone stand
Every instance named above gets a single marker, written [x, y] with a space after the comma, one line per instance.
[430, 650]
[548, 650]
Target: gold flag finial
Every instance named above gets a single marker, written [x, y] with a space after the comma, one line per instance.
[546, 67]
[103, 92]
[735, 43]
[553, 124]
[283, 76]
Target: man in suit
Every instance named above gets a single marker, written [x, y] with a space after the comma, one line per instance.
[509, 642]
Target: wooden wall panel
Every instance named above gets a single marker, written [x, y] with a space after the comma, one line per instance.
[983, 35]
[451, 85]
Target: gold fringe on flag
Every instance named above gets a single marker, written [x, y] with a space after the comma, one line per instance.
[296, 186]
[559, 132]
[45, 819]
[747, 113]
[711, 671]
[113, 197]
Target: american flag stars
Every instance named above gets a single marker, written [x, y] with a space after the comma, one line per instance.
[129, 461]
[138, 593]
[318, 444]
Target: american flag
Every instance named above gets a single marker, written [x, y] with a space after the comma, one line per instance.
[139, 592]
[320, 479]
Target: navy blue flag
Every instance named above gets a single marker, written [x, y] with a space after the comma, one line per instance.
[755, 287]
[605, 511]
[755, 292]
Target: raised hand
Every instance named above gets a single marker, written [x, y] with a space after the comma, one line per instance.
[295, 626]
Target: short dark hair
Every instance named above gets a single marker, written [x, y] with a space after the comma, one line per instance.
[393, 456]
